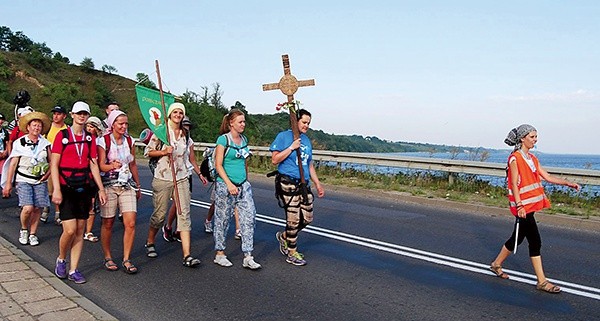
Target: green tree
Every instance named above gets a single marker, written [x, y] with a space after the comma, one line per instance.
[87, 64]
[19, 42]
[5, 35]
[109, 69]
[145, 81]
[102, 93]
[59, 57]
[216, 96]
[63, 94]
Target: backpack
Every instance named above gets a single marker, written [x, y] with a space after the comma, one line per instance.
[79, 179]
[108, 142]
[207, 167]
[153, 161]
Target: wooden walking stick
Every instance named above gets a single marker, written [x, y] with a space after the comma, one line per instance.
[162, 101]
[288, 84]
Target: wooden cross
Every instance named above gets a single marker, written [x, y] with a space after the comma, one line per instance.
[288, 84]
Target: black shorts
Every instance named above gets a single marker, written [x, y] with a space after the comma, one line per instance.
[75, 205]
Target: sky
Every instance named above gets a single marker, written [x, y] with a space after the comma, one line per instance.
[460, 73]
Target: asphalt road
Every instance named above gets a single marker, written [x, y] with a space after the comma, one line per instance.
[369, 258]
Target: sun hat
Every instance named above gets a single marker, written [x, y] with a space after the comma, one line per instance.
[96, 122]
[36, 115]
[79, 107]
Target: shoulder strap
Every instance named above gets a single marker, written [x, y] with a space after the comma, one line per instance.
[107, 143]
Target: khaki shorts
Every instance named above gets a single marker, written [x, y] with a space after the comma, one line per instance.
[118, 197]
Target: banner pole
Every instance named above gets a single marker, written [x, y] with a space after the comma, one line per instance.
[166, 118]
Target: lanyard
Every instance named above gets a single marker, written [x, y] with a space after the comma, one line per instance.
[78, 144]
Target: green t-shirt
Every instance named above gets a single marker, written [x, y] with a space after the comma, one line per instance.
[233, 163]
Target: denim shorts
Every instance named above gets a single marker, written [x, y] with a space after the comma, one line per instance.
[30, 194]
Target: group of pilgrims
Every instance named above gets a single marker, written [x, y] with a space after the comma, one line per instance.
[89, 168]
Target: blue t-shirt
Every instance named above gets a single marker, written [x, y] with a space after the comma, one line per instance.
[233, 163]
[289, 166]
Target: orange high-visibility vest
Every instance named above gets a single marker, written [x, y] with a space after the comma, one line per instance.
[530, 186]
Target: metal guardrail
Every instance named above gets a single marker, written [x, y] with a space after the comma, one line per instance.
[580, 176]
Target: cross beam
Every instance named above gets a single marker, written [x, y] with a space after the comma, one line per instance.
[288, 84]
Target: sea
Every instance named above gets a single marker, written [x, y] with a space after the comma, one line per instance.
[590, 162]
[501, 156]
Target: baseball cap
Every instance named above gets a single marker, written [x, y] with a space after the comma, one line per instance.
[2, 116]
[58, 109]
[79, 107]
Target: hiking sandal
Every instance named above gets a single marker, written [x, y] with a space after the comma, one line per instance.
[131, 269]
[110, 265]
[189, 261]
[497, 269]
[90, 237]
[547, 287]
[150, 251]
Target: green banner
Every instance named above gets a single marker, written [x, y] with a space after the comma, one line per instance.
[152, 111]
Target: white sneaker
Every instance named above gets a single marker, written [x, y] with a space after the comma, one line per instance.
[249, 263]
[33, 240]
[23, 237]
[222, 261]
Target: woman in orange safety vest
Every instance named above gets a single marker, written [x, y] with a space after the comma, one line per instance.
[526, 196]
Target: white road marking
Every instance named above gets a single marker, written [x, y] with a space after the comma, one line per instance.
[568, 287]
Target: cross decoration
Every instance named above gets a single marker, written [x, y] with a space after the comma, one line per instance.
[288, 84]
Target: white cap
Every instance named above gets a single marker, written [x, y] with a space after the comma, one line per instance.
[79, 107]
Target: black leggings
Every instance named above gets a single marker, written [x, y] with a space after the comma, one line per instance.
[527, 229]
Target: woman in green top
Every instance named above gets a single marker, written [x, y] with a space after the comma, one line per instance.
[232, 189]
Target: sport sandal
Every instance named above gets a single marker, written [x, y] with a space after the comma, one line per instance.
[90, 237]
[110, 265]
[190, 261]
[129, 269]
[150, 251]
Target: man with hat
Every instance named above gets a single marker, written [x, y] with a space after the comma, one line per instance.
[28, 166]
[59, 114]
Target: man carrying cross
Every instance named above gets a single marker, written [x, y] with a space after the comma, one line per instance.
[292, 153]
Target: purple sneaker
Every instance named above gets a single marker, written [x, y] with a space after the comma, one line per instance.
[76, 277]
[167, 233]
[61, 269]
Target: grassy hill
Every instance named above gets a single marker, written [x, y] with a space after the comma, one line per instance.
[52, 82]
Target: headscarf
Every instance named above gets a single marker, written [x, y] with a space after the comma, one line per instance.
[112, 117]
[516, 134]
